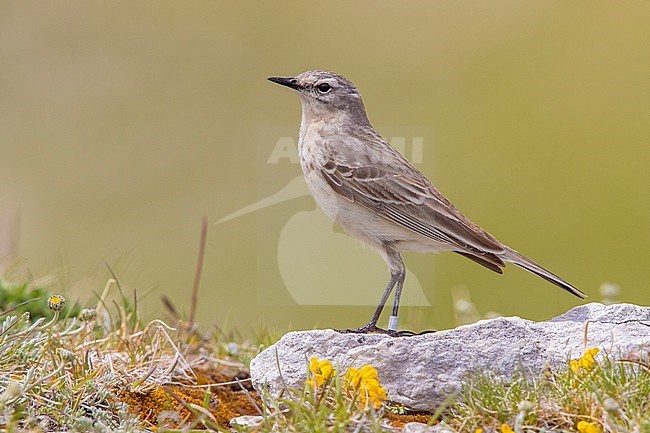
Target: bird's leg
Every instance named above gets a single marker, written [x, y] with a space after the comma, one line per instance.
[392, 322]
[398, 270]
[372, 325]
[394, 279]
[397, 276]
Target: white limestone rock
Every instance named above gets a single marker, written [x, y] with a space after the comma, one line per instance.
[418, 427]
[421, 371]
[247, 421]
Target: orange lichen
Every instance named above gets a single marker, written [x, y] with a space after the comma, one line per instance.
[148, 405]
[167, 405]
[400, 420]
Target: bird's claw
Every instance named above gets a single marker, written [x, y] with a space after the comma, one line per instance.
[368, 329]
[374, 329]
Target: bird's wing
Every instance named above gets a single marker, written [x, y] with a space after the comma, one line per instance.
[404, 196]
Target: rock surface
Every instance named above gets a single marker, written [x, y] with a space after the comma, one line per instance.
[421, 371]
[418, 427]
[248, 421]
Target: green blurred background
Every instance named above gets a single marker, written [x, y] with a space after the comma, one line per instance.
[122, 123]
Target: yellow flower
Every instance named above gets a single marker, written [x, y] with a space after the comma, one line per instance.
[505, 428]
[587, 427]
[320, 371]
[56, 302]
[366, 380]
[479, 430]
[585, 363]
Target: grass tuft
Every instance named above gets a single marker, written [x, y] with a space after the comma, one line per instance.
[613, 397]
[103, 369]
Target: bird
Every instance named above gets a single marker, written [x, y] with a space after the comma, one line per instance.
[379, 197]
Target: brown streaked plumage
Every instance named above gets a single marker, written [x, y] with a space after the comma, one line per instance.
[377, 195]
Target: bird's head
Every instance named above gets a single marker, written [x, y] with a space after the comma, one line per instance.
[325, 93]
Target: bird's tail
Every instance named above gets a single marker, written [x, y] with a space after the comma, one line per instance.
[514, 257]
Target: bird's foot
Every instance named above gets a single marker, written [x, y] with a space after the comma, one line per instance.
[368, 329]
[374, 329]
[412, 333]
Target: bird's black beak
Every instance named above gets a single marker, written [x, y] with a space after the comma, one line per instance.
[289, 82]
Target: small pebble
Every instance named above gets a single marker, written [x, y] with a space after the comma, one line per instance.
[250, 421]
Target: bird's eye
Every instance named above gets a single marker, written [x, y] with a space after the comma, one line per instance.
[324, 87]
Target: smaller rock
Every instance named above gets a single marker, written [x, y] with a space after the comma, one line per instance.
[418, 427]
[248, 421]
